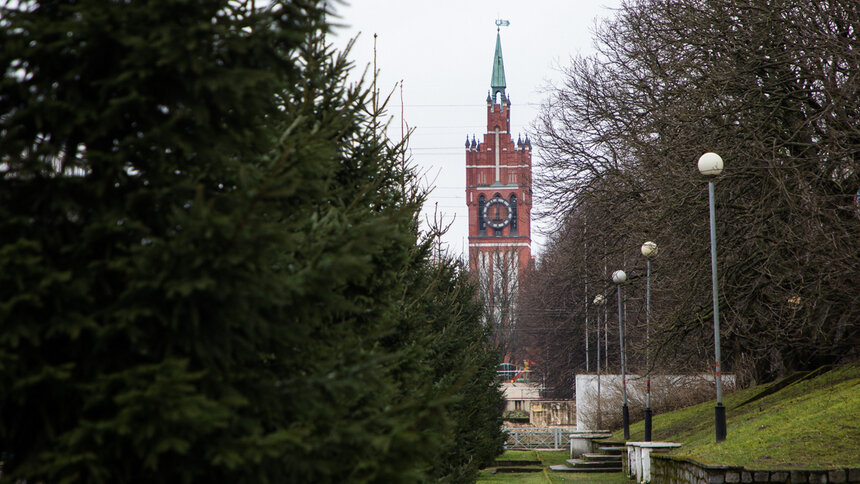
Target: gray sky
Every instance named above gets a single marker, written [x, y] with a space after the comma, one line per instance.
[443, 53]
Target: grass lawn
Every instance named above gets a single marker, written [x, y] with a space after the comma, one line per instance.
[515, 455]
[809, 424]
[545, 476]
[526, 478]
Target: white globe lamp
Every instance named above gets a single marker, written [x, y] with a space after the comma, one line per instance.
[710, 164]
[649, 249]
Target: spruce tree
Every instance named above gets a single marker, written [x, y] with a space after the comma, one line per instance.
[462, 366]
[208, 249]
[135, 285]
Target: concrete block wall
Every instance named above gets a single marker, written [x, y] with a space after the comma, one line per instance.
[667, 469]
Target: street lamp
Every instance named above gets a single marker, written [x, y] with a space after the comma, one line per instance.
[599, 301]
[649, 250]
[619, 277]
[711, 165]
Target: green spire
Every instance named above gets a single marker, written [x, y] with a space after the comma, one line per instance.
[497, 84]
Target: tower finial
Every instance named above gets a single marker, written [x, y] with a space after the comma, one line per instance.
[497, 83]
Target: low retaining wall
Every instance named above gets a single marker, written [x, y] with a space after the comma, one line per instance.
[668, 469]
[552, 413]
[638, 462]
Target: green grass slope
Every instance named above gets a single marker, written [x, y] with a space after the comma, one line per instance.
[808, 424]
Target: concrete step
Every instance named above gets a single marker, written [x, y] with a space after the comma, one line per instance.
[602, 457]
[518, 469]
[612, 450]
[564, 468]
[588, 464]
[612, 443]
[515, 463]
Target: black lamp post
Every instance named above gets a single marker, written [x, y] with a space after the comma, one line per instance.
[619, 277]
[649, 250]
[711, 165]
[599, 301]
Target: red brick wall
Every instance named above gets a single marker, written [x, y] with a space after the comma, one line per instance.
[514, 174]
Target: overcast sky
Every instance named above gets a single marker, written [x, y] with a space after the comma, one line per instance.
[443, 53]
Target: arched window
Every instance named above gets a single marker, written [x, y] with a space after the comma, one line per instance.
[513, 213]
[482, 224]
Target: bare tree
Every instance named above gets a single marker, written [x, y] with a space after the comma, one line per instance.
[499, 286]
[773, 87]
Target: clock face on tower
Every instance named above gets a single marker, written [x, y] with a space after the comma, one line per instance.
[497, 213]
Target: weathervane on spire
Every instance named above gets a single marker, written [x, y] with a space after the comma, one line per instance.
[502, 23]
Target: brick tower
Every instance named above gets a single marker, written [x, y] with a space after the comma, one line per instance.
[498, 194]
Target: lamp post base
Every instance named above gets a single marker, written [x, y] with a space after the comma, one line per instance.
[647, 425]
[720, 422]
[625, 417]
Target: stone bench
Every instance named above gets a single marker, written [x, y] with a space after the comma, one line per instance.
[582, 441]
[639, 458]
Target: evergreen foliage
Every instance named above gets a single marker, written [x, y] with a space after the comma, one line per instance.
[210, 267]
[445, 329]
